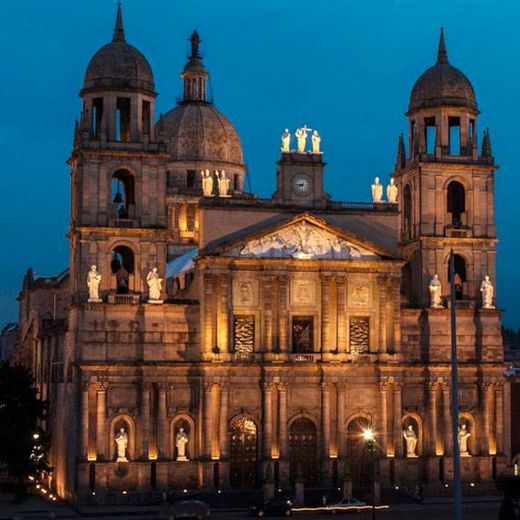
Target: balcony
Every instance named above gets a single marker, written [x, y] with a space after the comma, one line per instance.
[304, 358]
[457, 231]
[129, 299]
[245, 357]
[123, 222]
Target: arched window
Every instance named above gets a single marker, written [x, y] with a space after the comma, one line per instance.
[122, 266]
[407, 211]
[123, 194]
[460, 276]
[456, 202]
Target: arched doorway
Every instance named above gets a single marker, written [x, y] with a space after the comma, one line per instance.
[243, 453]
[358, 456]
[303, 450]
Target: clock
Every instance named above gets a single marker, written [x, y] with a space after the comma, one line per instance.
[301, 184]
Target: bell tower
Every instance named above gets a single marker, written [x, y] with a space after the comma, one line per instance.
[446, 186]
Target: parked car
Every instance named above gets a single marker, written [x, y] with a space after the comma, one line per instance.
[276, 507]
[347, 505]
[184, 509]
[34, 515]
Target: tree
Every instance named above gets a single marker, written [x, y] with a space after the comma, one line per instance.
[20, 413]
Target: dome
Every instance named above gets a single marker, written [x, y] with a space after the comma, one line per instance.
[442, 85]
[198, 131]
[119, 65]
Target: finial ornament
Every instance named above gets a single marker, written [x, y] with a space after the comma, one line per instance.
[119, 32]
[442, 53]
[195, 42]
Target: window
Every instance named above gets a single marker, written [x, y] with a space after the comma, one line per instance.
[191, 176]
[123, 119]
[191, 212]
[454, 135]
[460, 276]
[122, 266]
[456, 202]
[407, 211]
[97, 117]
[302, 334]
[244, 334]
[123, 194]
[146, 117]
[430, 131]
[359, 334]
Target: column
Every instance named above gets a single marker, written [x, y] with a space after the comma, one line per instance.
[432, 416]
[397, 315]
[325, 314]
[223, 313]
[208, 323]
[340, 318]
[267, 419]
[341, 441]
[499, 428]
[223, 421]
[383, 389]
[446, 415]
[207, 420]
[145, 418]
[101, 414]
[382, 283]
[487, 423]
[398, 428]
[84, 421]
[267, 295]
[282, 313]
[507, 415]
[282, 429]
[325, 418]
[161, 422]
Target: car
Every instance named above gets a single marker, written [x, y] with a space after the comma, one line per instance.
[184, 509]
[347, 505]
[276, 507]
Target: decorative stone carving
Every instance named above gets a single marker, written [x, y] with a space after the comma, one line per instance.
[245, 293]
[435, 292]
[301, 138]
[359, 334]
[93, 281]
[359, 296]
[463, 440]
[391, 192]
[121, 440]
[181, 439]
[487, 290]
[410, 438]
[223, 184]
[377, 191]
[244, 334]
[207, 183]
[154, 286]
[303, 292]
[286, 141]
[316, 141]
[304, 241]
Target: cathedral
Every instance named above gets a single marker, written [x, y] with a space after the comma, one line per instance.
[206, 338]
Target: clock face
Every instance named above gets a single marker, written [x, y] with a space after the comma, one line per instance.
[301, 184]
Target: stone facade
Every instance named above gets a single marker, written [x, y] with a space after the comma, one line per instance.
[297, 322]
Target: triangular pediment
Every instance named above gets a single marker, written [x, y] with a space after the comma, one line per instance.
[304, 237]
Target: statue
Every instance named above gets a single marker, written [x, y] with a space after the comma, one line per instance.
[463, 440]
[121, 440]
[391, 192]
[316, 140]
[410, 437]
[286, 141]
[377, 191]
[223, 184]
[181, 439]
[154, 286]
[207, 183]
[435, 293]
[93, 281]
[301, 137]
[487, 290]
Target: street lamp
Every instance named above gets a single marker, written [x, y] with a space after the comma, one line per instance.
[370, 443]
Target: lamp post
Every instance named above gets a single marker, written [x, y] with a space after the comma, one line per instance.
[370, 443]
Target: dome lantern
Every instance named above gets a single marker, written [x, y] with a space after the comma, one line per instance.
[195, 75]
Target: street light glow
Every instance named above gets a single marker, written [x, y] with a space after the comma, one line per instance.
[368, 435]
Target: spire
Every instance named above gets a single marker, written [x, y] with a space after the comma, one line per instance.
[119, 32]
[442, 53]
[195, 76]
[400, 162]
[486, 144]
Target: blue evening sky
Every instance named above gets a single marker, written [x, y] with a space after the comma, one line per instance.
[344, 67]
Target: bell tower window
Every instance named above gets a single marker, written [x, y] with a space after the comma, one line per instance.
[123, 119]
[122, 266]
[430, 131]
[145, 117]
[459, 279]
[456, 202]
[454, 135]
[97, 116]
[123, 192]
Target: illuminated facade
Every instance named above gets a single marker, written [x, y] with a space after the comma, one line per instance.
[289, 324]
